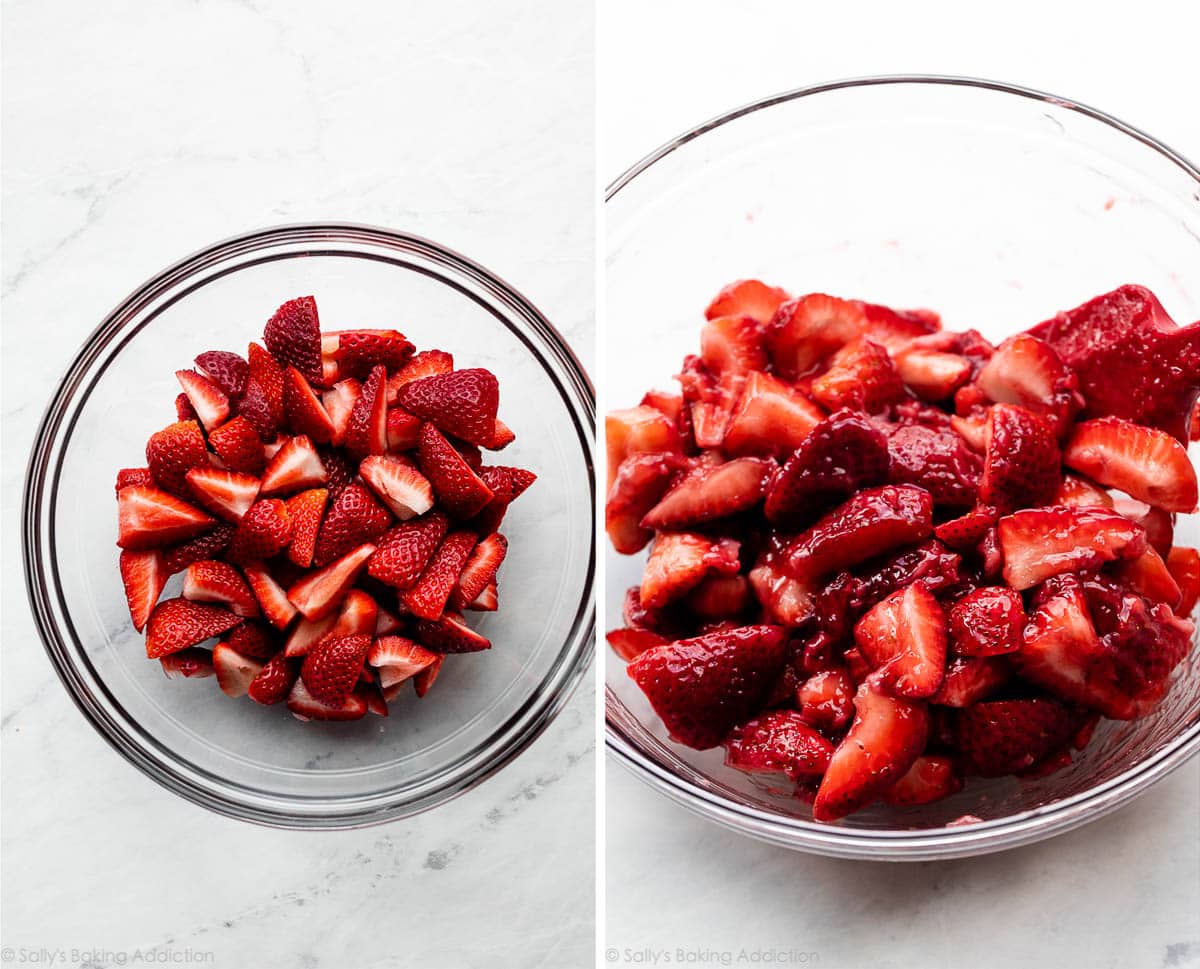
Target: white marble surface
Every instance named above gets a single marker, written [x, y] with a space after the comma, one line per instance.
[1122, 893]
[134, 134]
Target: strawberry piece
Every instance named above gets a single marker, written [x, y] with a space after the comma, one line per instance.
[273, 682]
[1027, 371]
[779, 742]
[449, 634]
[386, 622]
[172, 452]
[702, 687]
[293, 336]
[235, 672]
[252, 639]
[826, 699]
[641, 481]
[937, 460]
[354, 518]
[305, 511]
[931, 374]
[870, 523]
[1022, 464]
[229, 494]
[884, 741]
[210, 544]
[747, 298]
[296, 466]
[340, 471]
[1148, 576]
[1040, 542]
[1184, 565]
[355, 353]
[264, 531]
[861, 376]
[637, 430]
[262, 404]
[339, 401]
[427, 363]
[195, 662]
[373, 696]
[929, 779]
[320, 593]
[459, 489]
[904, 637]
[631, 643]
[461, 403]
[176, 624]
[219, 582]
[272, 599]
[1146, 463]
[149, 518]
[400, 486]
[1080, 492]
[805, 331]
[303, 410]
[970, 679]
[238, 445]
[720, 597]
[768, 418]
[399, 659]
[481, 568]
[128, 477]
[184, 411]
[405, 550]
[304, 706]
[423, 681]
[306, 634]
[332, 667]
[357, 615]
[679, 561]
[366, 432]
[896, 329]
[144, 575]
[209, 402]
[488, 600]
[403, 430]
[732, 343]
[930, 564]
[963, 534]
[710, 493]
[975, 430]
[428, 596]
[227, 370]
[987, 622]
[1159, 524]
[1005, 736]
[784, 600]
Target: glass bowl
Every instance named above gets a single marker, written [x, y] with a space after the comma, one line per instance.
[996, 206]
[260, 763]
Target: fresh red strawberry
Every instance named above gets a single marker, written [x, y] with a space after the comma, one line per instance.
[405, 491]
[748, 298]
[1146, 463]
[341, 473]
[305, 706]
[272, 599]
[826, 699]
[151, 518]
[937, 460]
[296, 466]
[357, 615]
[207, 399]
[732, 343]
[904, 637]
[427, 598]
[339, 403]
[262, 404]
[184, 411]
[480, 569]
[805, 331]
[842, 454]
[235, 672]
[720, 597]
[987, 622]
[207, 546]
[710, 493]
[353, 353]
[403, 430]
[970, 679]
[929, 779]
[405, 550]
[227, 370]
[195, 662]
[1022, 465]
[366, 432]
[932, 374]
[273, 682]
[1027, 371]
[144, 575]
[702, 687]
[1080, 492]
[521, 478]
[354, 517]
[640, 483]
[320, 593]
[862, 376]
[427, 363]
[424, 680]
[1040, 542]
[449, 634]
[176, 624]
[399, 659]
[631, 643]
[1184, 565]
[768, 418]
[293, 335]
[779, 742]
[332, 667]
[461, 403]
[637, 430]
[264, 531]
[1005, 736]
[305, 634]
[679, 561]
[252, 639]
[305, 511]
[238, 445]
[219, 582]
[870, 523]
[128, 477]
[228, 494]
[459, 489]
[303, 410]
[963, 534]
[172, 452]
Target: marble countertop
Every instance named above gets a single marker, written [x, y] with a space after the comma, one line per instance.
[133, 138]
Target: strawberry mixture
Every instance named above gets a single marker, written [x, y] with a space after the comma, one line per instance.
[885, 557]
[327, 502]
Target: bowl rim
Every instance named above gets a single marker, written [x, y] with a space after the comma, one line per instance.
[982, 837]
[517, 731]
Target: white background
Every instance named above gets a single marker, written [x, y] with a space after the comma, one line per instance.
[134, 134]
[1123, 892]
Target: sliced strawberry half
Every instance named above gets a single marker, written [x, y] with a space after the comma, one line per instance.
[293, 336]
[932, 375]
[339, 401]
[213, 581]
[405, 491]
[1144, 462]
[399, 659]
[354, 353]
[861, 375]
[306, 633]
[805, 331]
[778, 742]
[150, 518]
[144, 575]
[768, 418]
[303, 410]
[320, 593]
[637, 430]
[403, 430]
[1027, 371]
[235, 672]
[640, 483]
[295, 467]
[427, 597]
[679, 561]
[1001, 737]
[1040, 542]
[332, 667]
[272, 600]
[305, 511]
[238, 445]
[172, 452]
[970, 679]
[195, 662]
[1022, 467]
[273, 682]
[461, 403]
[354, 518]
[747, 297]
[229, 494]
[448, 634]
[904, 637]
[176, 624]
[405, 550]
[459, 489]
[366, 432]
[929, 779]
[225, 369]
[207, 399]
[987, 622]
[305, 706]
[710, 493]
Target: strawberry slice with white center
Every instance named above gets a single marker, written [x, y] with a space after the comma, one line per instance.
[1149, 576]
[1078, 491]
[487, 601]
[320, 593]
[303, 410]
[195, 662]
[306, 633]
[784, 600]
[732, 343]
[1038, 543]
[637, 430]
[779, 742]
[1144, 462]
[710, 493]
[929, 779]
[1027, 371]
[305, 706]
[680, 560]
[805, 331]
[398, 659]
[904, 636]
[339, 403]
[272, 599]
[932, 375]
[768, 418]
[970, 679]
[213, 581]
[229, 494]
[149, 517]
[357, 615]
[386, 622]
[144, 575]
[427, 363]
[884, 741]
[481, 568]
[400, 486]
[207, 399]
[295, 467]
[450, 634]
[639, 485]
[177, 624]
[747, 297]
[423, 681]
[235, 672]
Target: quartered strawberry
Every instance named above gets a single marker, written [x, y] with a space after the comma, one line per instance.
[784, 600]
[487, 601]
[149, 517]
[747, 298]
[641, 481]
[403, 430]
[252, 639]
[732, 343]
[932, 375]
[320, 593]
[235, 672]
[262, 404]
[303, 410]
[209, 401]
[225, 369]
[448, 634]
[461, 403]
[710, 493]
[273, 682]
[778, 742]
[305, 634]
[428, 596]
[127, 477]
[305, 511]
[427, 363]
[195, 662]
[341, 473]
[339, 401]
[1184, 565]
[184, 411]
[424, 680]
[636, 430]
[631, 643]
[293, 335]
[398, 659]
[264, 531]
[404, 550]
[332, 667]
[929, 779]
[354, 353]
[970, 679]
[702, 687]
[904, 638]
[228, 494]
[1027, 371]
[206, 546]
[963, 534]
[710, 398]
[213, 581]
[354, 517]
[805, 331]
[480, 570]
[826, 699]
[870, 523]
[861, 376]
[144, 575]
[987, 622]
[357, 615]
[1022, 465]
[679, 561]
[884, 741]
[238, 445]
[272, 599]
[366, 432]
[1146, 463]
[399, 485]
[172, 452]
[937, 460]
[1005, 736]
[1040, 542]
[768, 418]
[457, 488]
[176, 624]
[305, 706]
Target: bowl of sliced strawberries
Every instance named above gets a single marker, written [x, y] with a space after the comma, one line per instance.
[346, 571]
[904, 565]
